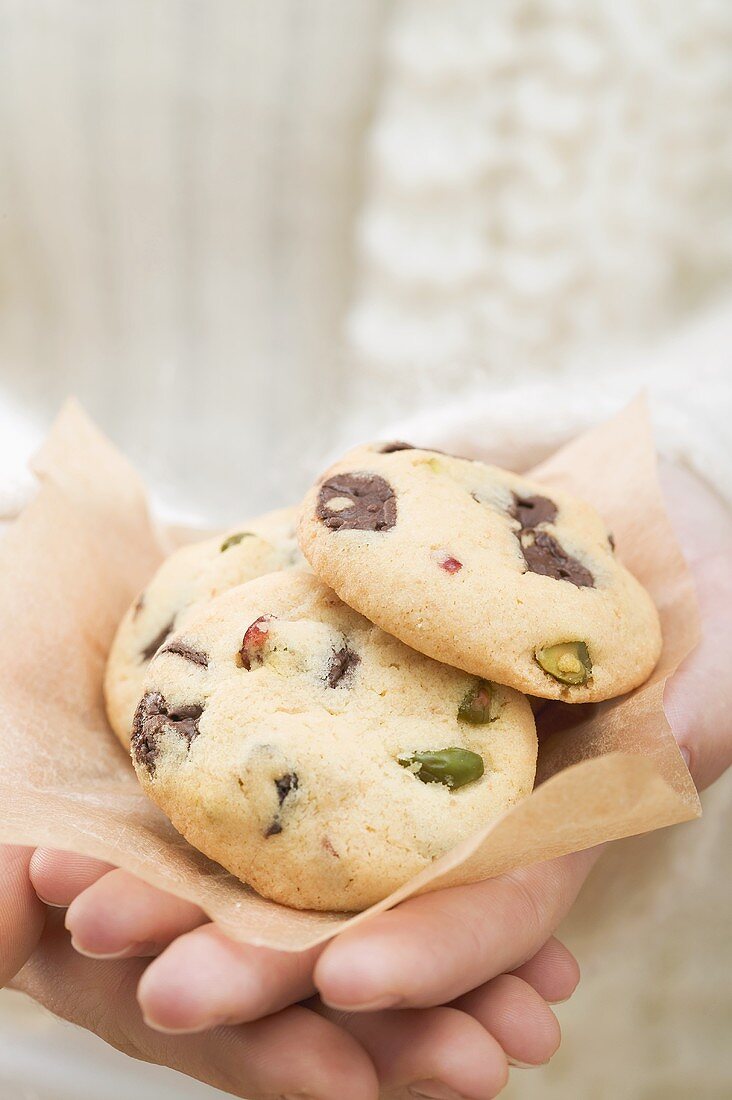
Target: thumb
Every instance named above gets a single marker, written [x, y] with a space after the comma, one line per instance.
[22, 915]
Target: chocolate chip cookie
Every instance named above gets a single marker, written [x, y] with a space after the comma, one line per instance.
[189, 577]
[314, 756]
[482, 569]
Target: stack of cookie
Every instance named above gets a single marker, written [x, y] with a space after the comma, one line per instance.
[325, 726]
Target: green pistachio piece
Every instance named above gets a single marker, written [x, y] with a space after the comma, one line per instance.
[431, 463]
[475, 707]
[453, 767]
[234, 540]
[568, 662]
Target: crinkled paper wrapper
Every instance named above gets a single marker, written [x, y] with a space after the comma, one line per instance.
[79, 553]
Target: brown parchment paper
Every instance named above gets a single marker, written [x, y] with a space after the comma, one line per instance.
[74, 559]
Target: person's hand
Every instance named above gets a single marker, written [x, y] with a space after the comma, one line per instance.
[292, 1053]
[472, 933]
[475, 932]
[203, 981]
[22, 915]
[437, 948]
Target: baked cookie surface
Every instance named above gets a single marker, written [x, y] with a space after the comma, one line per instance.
[315, 757]
[482, 569]
[192, 575]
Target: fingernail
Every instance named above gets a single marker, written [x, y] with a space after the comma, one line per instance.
[51, 904]
[131, 950]
[433, 1090]
[191, 1029]
[563, 1001]
[371, 1006]
[525, 1065]
[686, 754]
[99, 954]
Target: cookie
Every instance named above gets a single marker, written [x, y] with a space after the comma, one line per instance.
[482, 569]
[315, 757]
[189, 577]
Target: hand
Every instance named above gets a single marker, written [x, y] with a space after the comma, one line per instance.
[22, 916]
[381, 959]
[204, 981]
[294, 1050]
[384, 959]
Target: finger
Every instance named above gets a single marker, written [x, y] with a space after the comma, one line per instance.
[517, 1018]
[294, 1053]
[436, 947]
[553, 972]
[439, 1049]
[433, 1052]
[58, 877]
[22, 915]
[120, 916]
[204, 979]
[698, 698]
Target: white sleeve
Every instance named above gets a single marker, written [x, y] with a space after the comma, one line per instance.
[688, 379]
[19, 437]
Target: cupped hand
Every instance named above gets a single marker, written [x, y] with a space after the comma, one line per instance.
[200, 980]
[474, 932]
[292, 1053]
[484, 950]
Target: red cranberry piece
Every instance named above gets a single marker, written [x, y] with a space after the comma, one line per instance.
[447, 562]
[254, 641]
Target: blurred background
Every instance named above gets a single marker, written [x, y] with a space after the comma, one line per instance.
[247, 233]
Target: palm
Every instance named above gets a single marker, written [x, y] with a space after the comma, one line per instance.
[199, 978]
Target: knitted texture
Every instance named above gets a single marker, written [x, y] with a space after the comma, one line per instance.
[547, 178]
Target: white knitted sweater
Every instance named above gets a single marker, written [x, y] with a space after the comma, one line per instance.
[245, 233]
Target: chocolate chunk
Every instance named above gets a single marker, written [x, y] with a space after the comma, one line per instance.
[284, 785]
[151, 649]
[545, 556]
[145, 728]
[369, 503]
[542, 553]
[187, 652]
[397, 445]
[531, 511]
[341, 663]
[151, 718]
[185, 720]
[611, 540]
